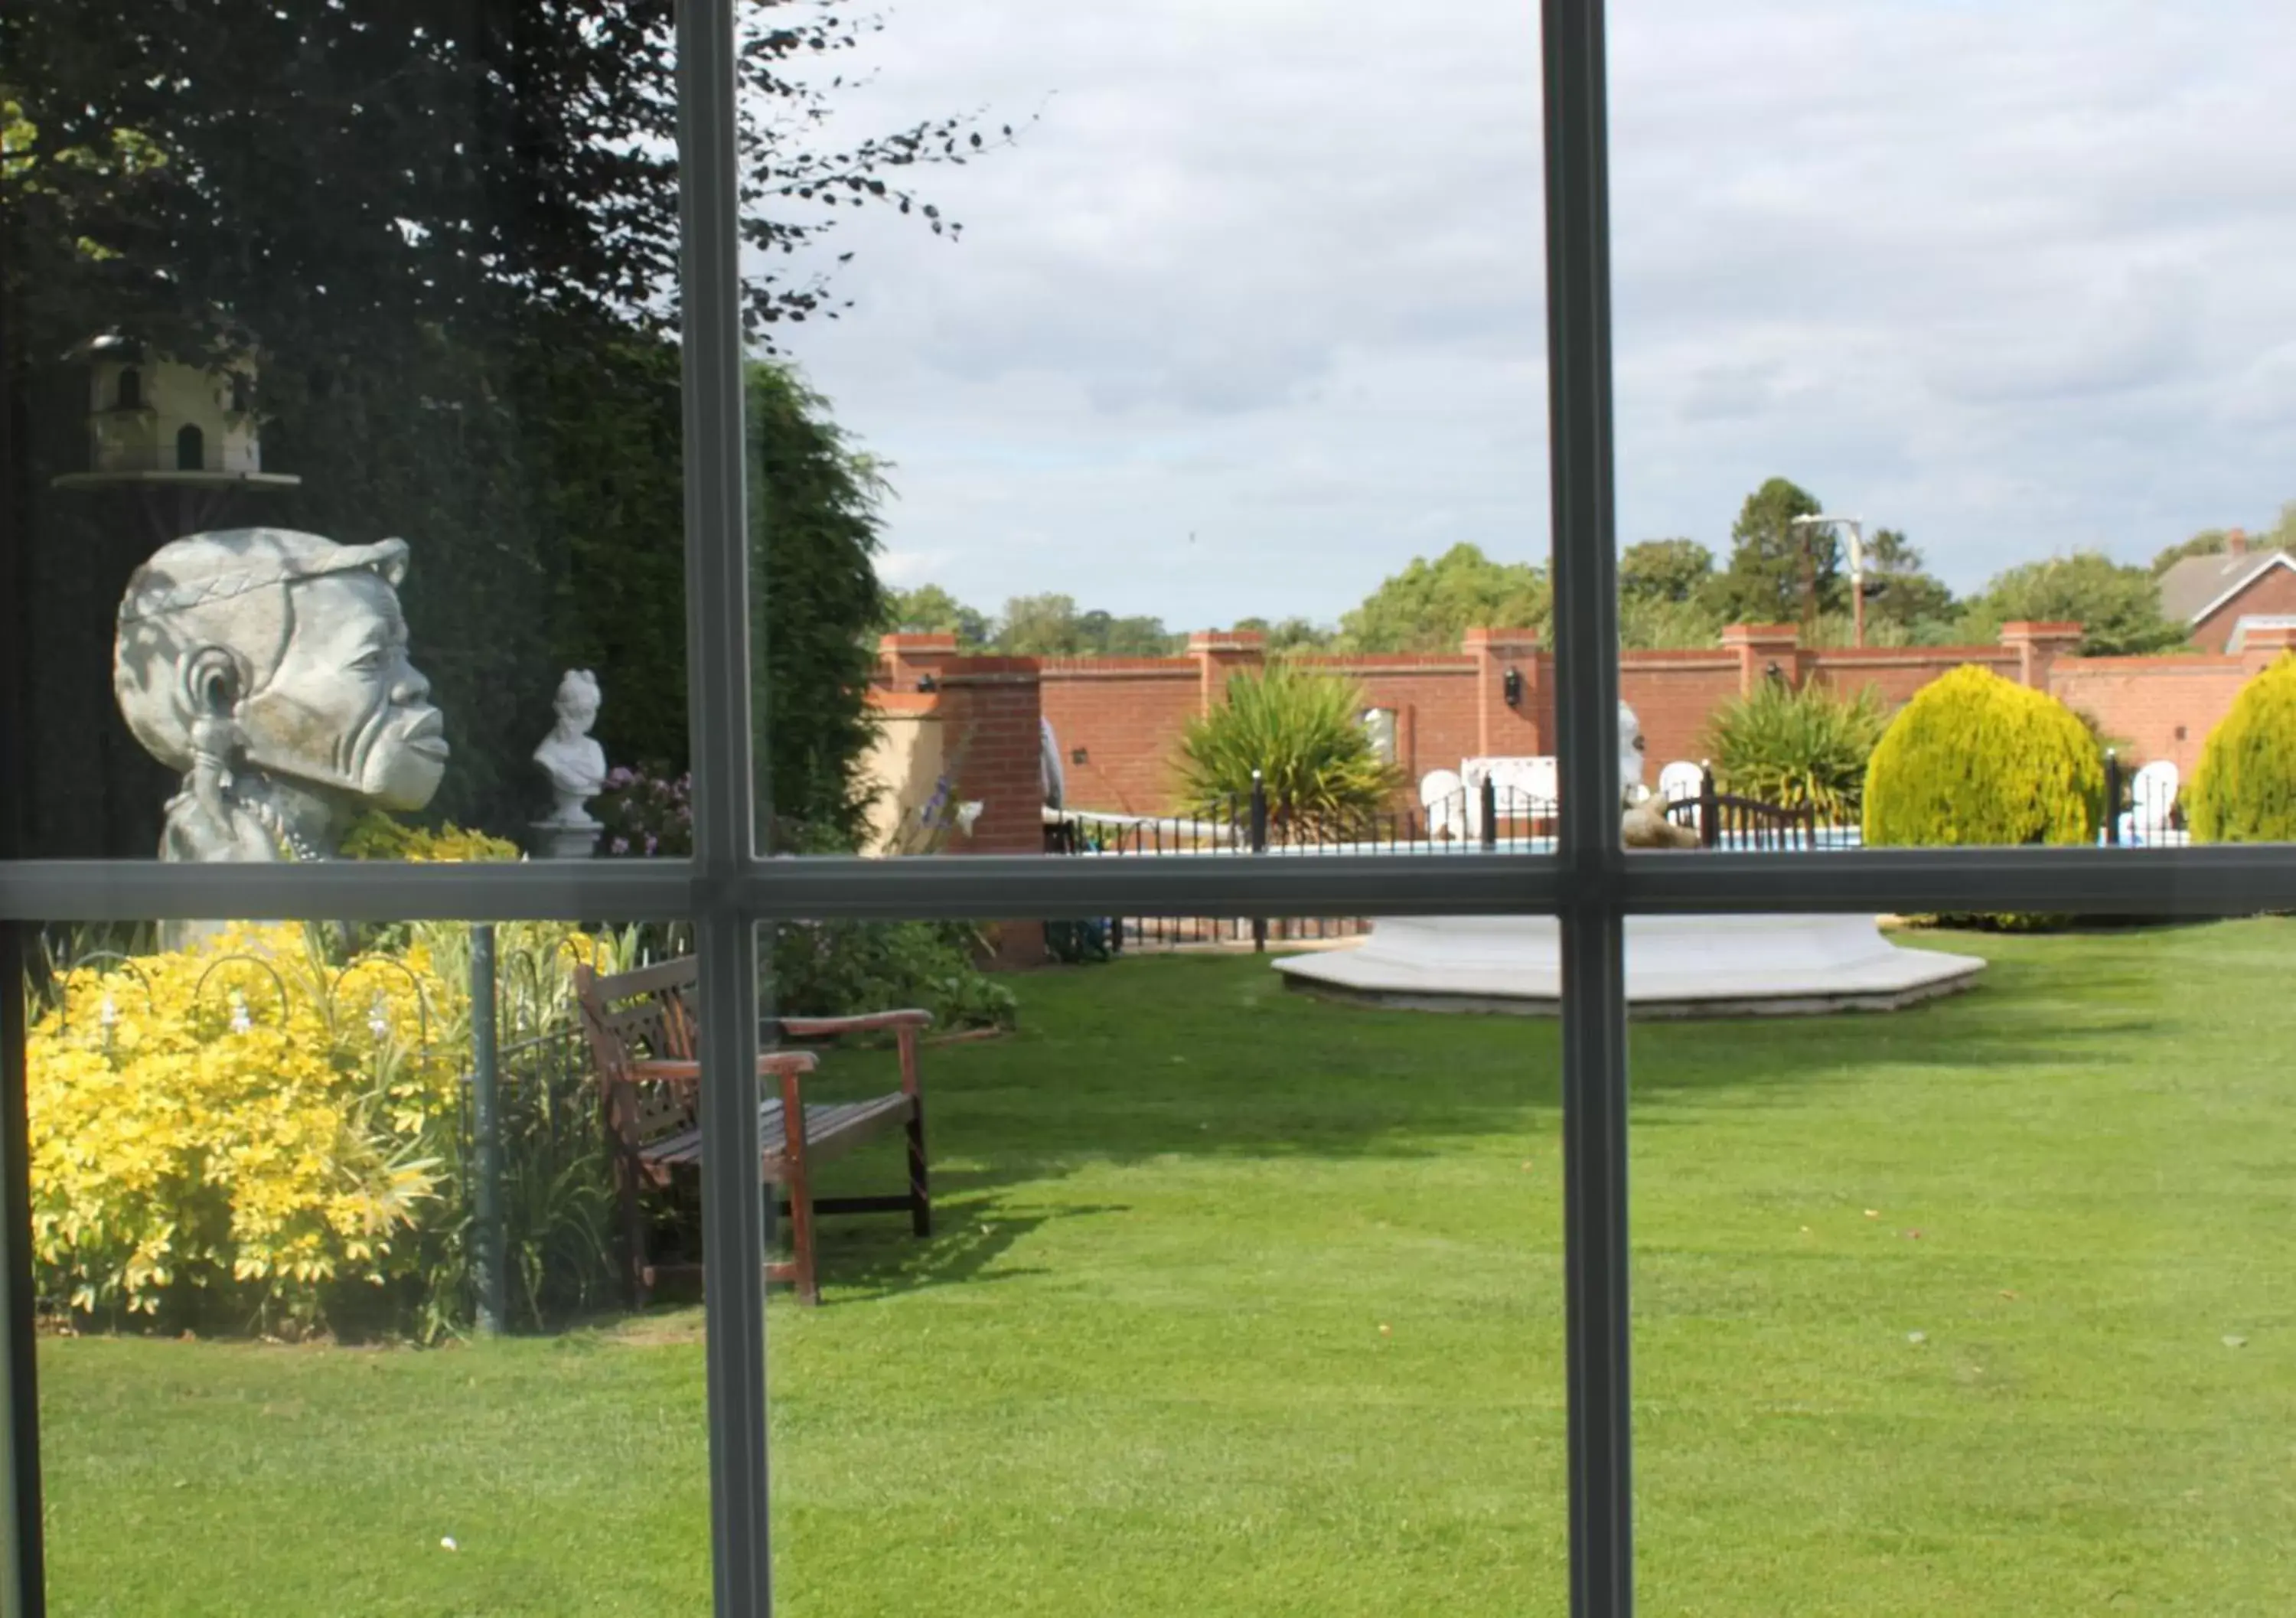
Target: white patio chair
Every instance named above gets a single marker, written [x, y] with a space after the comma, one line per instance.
[1443, 794]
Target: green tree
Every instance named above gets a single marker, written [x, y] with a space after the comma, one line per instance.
[1038, 625]
[931, 609]
[1900, 591]
[1101, 634]
[1779, 572]
[1430, 605]
[1664, 570]
[451, 232]
[2117, 606]
[1288, 635]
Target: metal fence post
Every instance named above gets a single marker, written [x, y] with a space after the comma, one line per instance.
[1710, 827]
[1259, 846]
[1490, 813]
[2111, 797]
[486, 1127]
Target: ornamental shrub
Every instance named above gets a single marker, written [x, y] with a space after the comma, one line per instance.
[241, 1125]
[377, 835]
[1976, 760]
[1811, 746]
[256, 1133]
[2244, 790]
[1303, 732]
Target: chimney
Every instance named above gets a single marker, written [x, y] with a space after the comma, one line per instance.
[2236, 542]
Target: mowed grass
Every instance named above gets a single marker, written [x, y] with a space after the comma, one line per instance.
[1246, 1304]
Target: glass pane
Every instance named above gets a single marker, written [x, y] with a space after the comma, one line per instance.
[1197, 474]
[1923, 540]
[341, 405]
[1235, 1297]
[264, 1171]
[1971, 1307]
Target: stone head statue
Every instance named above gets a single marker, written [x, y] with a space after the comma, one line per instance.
[1645, 824]
[575, 763]
[271, 668]
[1631, 749]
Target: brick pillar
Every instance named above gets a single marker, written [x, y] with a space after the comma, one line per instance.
[2038, 645]
[906, 660]
[1505, 730]
[1758, 647]
[1222, 654]
[995, 706]
[2261, 645]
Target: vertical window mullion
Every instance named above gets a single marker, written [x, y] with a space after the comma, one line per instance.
[717, 608]
[23, 1578]
[1597, 1324]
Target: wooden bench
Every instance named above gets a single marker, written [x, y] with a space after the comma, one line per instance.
[642, 1034]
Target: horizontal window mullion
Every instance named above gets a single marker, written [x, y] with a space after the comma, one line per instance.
[993, 886]
[97, 890]
[2216, 881]
[2219, 881]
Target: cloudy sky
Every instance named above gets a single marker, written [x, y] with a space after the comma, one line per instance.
[1253, 312]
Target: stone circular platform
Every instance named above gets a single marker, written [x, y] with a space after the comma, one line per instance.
[1676, 965]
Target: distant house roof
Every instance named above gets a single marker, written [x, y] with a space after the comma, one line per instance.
[2198, 586]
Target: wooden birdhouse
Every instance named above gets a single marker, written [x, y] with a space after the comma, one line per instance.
[149, 414]
[178, 442]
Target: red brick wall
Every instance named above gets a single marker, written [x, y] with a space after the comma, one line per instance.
[1898, 674]
[1672, 692]
[2273, 593]
[1127, 713]
[993, 705]
[1435, 722]
[2163, 707]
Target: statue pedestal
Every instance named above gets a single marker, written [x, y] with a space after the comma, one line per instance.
[558, 839]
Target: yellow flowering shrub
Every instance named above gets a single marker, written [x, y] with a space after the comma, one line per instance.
[245, 1118]
[375, 836]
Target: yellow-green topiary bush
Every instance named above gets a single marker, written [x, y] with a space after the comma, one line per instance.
[2244, 790]
[1976, 760]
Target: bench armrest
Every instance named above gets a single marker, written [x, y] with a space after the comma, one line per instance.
[825, 1028]
[784, 1064]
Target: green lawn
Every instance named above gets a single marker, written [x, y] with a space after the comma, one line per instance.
[1244, 1303]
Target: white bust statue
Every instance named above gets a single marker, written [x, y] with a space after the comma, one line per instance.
[575, 762]
[270, 667]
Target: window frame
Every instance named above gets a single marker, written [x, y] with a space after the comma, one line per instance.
[727, 890]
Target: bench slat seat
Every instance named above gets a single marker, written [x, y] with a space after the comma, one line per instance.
[641, 1034]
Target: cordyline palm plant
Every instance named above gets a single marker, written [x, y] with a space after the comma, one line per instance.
[1796, 748]
[1303, 732]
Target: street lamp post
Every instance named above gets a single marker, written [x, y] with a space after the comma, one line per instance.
[1857, 527]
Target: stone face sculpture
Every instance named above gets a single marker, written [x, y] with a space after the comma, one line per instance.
[1645, 825]
[270, 667]
[575, 762]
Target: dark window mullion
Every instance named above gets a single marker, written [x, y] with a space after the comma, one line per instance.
[1597, 1324]
[725, 809]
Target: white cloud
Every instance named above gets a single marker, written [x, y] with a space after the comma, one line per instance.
[2009, 276]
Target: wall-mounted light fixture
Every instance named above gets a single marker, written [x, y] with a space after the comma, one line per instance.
[1511, 683]
[926, 682]
[1774, 674]
[1077, 755]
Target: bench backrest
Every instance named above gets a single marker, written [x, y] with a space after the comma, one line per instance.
[633, 1016]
